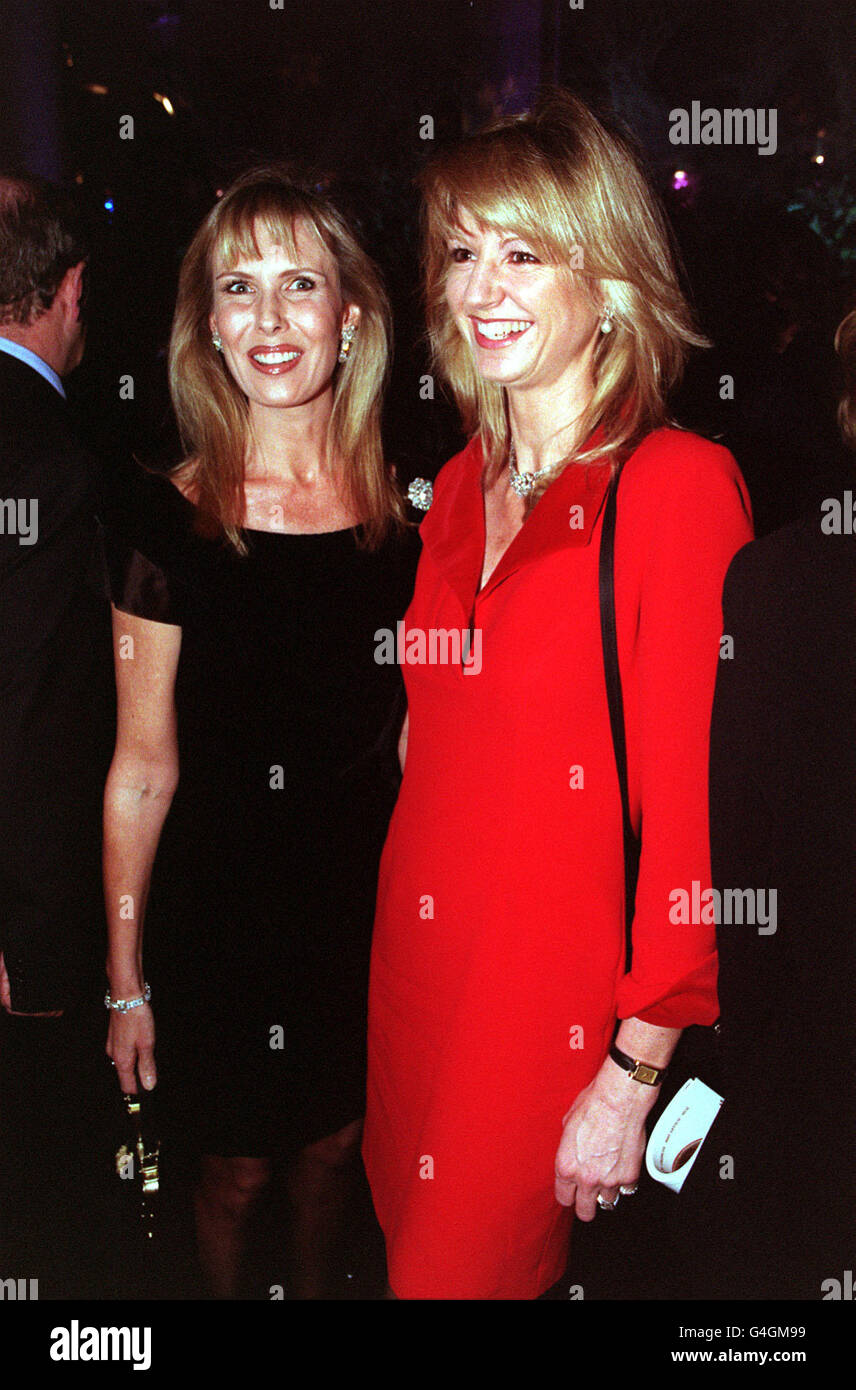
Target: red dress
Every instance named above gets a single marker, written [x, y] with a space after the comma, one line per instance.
[498, 958]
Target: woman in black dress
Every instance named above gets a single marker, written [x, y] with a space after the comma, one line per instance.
[255, 751]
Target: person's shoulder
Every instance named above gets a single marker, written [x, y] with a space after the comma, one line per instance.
[677, 480]
[41, 454]
[788, 599]
[34, 416]
[146, 507]
[149, 543]
[670, 457]
[770, 558]
[458, 468]
[21, 384]
[170, 489]
[798, 564]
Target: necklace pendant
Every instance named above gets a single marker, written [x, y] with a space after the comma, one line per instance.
[522, 483]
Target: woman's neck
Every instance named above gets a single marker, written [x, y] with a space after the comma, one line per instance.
[545, 423]
[290, 443]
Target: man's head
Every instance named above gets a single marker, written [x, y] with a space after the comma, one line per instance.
[43, 253]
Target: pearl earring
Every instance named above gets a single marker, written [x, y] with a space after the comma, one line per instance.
[606, 321]
[217, 341]
[348, 334]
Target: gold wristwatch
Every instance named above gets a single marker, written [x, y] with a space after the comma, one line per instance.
[637, 1070]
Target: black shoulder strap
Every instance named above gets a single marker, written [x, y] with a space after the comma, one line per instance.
[606, 582]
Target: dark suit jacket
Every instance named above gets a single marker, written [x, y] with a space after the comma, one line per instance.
[56, 697]
[783, 817]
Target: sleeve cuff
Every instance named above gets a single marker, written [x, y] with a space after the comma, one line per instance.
[672, 1004]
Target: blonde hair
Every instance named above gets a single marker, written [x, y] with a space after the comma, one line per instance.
[576, 192]
[212, 410]
[845, 346]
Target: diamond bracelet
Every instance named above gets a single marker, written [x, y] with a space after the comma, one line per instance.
[123, 1005]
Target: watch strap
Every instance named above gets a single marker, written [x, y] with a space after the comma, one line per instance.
[638, 1070]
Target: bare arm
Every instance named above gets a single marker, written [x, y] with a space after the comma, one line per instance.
[402, 741]
[604, 1137]
[140, 787]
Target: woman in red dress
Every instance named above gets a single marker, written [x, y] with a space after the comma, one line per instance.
[497, 1101]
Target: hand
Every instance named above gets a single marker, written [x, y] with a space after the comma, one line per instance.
[603, 1141]
[6, 997]
[131, 1044]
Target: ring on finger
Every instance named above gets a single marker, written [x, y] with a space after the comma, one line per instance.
[629, 1191]
[604, 1204]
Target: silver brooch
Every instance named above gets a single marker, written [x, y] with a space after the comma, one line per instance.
[421, 493]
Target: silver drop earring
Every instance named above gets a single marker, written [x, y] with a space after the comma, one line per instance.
[606, 321]
[348, 334]
[217, 341]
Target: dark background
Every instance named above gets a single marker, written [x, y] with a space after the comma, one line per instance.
[769, 241]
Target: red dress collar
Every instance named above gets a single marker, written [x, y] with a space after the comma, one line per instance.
[453, 530]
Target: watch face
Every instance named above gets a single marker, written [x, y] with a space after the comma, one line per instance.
[649, 1076]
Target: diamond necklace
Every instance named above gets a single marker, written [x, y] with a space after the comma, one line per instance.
[523, 483]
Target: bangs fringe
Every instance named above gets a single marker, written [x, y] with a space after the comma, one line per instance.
[255, 209]
[566, 184]
[506, 193]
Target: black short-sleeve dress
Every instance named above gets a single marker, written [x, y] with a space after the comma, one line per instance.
[259, 917]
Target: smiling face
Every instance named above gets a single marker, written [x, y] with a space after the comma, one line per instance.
[527, 322]
[280, 317]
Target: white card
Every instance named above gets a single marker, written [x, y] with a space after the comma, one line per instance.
[679, 1133]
